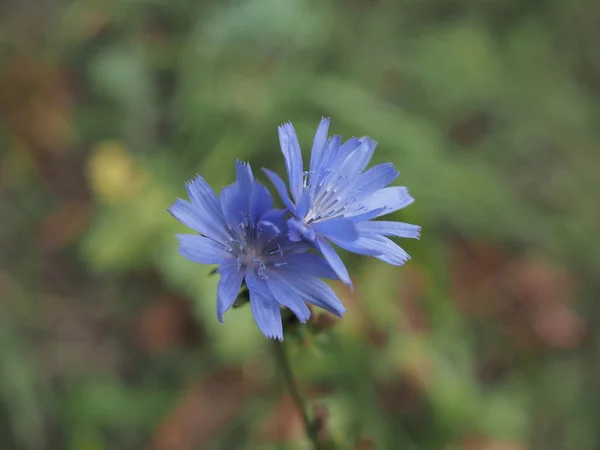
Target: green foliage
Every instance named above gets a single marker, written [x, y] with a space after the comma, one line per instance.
[488, 109]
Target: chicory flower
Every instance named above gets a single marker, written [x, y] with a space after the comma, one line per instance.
[249, 240]
[336, 199]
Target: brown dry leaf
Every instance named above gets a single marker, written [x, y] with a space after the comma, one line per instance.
[546, 291]
[365, 444]
[477, 269]
[559, 326]
[320, 320]
[402, 394]
[92, 22]
[528, 297]
[538, 283]
[470, 129]
[35, 103]
[495, 364]
[27, 26]
[413, 317]
[203, 411]
[166, 323]
[63, 225]
[484, 443]
[321, 421]
[283, 424]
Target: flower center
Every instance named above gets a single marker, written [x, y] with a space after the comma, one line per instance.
[326, 205]
[250, 258]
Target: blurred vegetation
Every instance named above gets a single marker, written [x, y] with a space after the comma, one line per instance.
[485, 340]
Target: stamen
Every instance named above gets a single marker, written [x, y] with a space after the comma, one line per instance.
[278, 251]
[261, 268]
[240, 244]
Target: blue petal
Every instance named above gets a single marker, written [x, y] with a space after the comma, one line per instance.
[388, 228]
[391, 252]
[293, 158]
[308, 264]
[245, 178]
[266, 232]
[194, 217]
[201, 194]
[260, 200]
[330, 173]
[334, 260]
[319, 146]
[380, 247]
[235, 204]
[314, 291]
[344, 151]
[228, 287]
[303, 205]
[324, 169]
[275, 216]
[295, 229]
[359, 246]
[375, 178]
[290, 247]
[272, 229]
[265, 309]
[298, 231]
[281, 189]
[340, 228]
[356, 162]
[287, 297]
[364, 216]
[202, 250]
[389, 199]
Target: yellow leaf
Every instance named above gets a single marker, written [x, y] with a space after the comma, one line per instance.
[112, 174]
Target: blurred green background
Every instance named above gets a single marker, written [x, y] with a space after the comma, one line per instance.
[486, 340]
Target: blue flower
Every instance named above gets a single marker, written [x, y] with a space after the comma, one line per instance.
[336, 199]
[248, 239]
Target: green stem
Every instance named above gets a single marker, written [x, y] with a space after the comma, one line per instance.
[283, 361]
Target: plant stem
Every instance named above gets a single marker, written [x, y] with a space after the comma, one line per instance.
[283, 361]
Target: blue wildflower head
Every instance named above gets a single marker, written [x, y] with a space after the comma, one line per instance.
[248, 239]
[335, 200]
